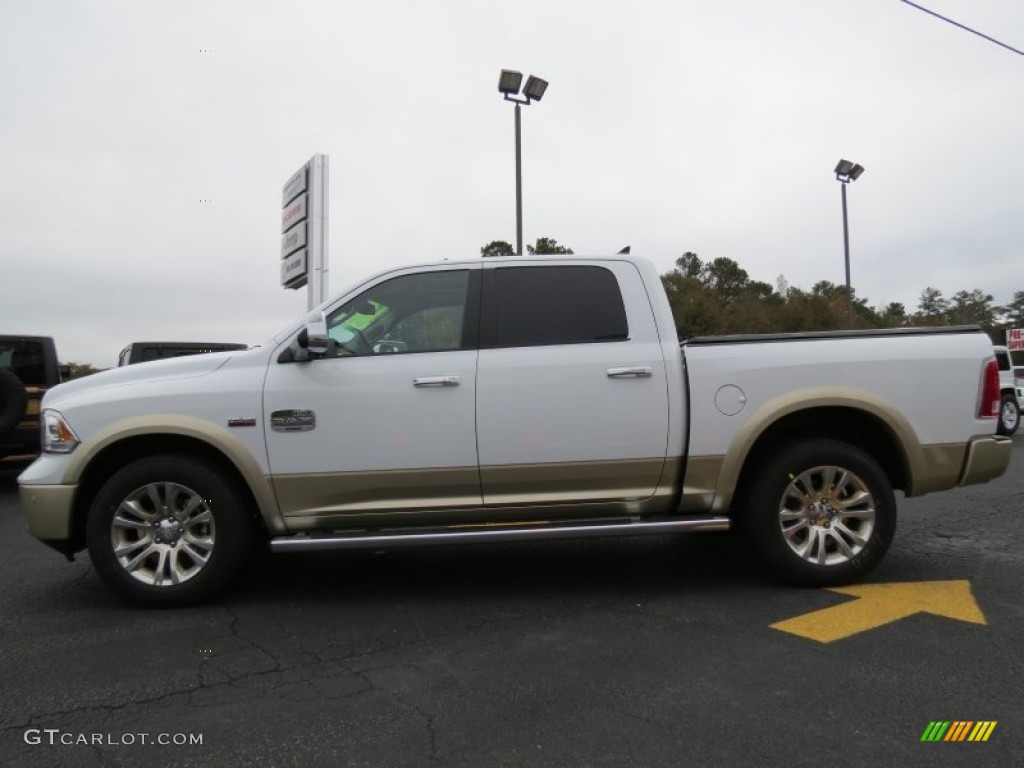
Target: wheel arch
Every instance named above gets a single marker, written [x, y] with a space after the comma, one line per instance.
[119, 445]
[860, 419]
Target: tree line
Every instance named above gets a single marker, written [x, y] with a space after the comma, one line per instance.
[718, 296]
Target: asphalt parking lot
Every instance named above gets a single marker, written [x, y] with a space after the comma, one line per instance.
[655, 651]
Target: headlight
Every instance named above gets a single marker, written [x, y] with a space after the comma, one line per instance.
[58, 437]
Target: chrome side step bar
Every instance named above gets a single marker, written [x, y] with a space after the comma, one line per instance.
[304, 543]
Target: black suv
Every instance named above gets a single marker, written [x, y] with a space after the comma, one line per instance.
[28, 367]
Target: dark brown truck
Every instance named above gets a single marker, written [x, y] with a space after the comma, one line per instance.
[28, 368]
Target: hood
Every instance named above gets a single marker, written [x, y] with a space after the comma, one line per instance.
[186, 367]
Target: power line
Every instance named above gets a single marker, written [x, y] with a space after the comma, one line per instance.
[968, 29]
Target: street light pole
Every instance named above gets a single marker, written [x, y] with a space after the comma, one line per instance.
[846, 253]
[845, 173]
[519, 184]
[508, 86]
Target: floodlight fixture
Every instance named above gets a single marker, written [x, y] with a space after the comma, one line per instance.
[846, 171]
[535, 88]
[509, 82]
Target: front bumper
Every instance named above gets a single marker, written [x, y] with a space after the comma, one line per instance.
[987, 458]
[48, 510]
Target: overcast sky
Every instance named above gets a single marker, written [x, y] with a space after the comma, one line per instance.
[670, 126]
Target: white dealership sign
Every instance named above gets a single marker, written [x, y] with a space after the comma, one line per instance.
[293, 239]
[293, 266]
[304, 230]
[293, 213]
[1015, 339]
[295, 186]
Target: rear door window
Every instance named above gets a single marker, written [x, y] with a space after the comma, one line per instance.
[536, 306]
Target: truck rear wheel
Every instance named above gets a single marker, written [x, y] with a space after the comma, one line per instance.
[821, 513]
[168, 531]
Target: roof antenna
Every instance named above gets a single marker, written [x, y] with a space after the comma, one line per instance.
[625, 251]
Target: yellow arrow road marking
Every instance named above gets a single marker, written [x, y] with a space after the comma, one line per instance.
[881, 604]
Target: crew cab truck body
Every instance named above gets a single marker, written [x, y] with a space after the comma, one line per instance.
[508, 398]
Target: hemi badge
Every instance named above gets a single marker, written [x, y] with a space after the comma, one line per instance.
[247, 422]
[292, 421]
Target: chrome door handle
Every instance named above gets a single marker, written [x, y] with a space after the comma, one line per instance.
[627, 373]
[436, 381]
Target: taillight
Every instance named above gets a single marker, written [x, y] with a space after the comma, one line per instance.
[988, 406]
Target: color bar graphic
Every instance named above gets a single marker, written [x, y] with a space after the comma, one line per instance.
[958, 730]
[982, 730]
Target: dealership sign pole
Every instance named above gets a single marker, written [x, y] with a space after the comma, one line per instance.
[304, 223]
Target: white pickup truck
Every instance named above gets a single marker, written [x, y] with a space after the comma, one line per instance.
[508, 398]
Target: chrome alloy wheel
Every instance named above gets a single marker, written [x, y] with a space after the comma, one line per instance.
[1009, 415]
[827, 515]
[163, 534]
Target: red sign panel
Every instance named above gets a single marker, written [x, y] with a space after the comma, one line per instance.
[294, 213]
[1015, 339]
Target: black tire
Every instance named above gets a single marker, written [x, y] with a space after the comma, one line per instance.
[1009, 415]
[156, 547]
[13, 400]
[841, 534]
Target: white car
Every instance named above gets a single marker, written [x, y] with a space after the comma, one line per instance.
[1011, 393]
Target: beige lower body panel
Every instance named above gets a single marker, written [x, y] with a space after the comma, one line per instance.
[355, 493]
[522, 493]
[700, 483]
[937, 468]
[931, 468]
[571, 482]
[48, 510]
[987, 458]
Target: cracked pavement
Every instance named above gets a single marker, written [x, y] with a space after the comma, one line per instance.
[645, 651]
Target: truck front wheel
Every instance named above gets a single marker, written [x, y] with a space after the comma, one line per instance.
[820, 513]
[168, 531]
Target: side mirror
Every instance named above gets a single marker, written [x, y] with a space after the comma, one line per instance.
[312, 341]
